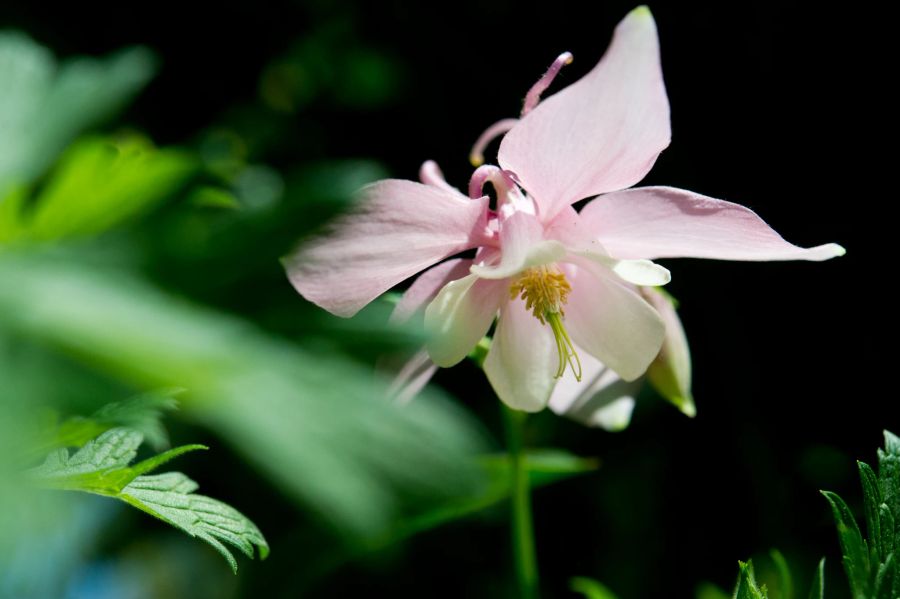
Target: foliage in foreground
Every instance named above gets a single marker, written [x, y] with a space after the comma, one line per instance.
[869, 562]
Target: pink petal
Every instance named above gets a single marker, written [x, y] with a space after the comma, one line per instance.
[522, 360]
[427, 285]
[610, 321]
[412, 377]
[601, 399]
[524, 246]
[570, 230]
[670, 372]
[460, 316]
[430, 174]
[397, 229]
[600, 134]
[665, 222]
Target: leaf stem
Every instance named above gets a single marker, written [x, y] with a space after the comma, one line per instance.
[522, 527]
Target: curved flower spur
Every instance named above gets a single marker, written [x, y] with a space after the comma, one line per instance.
[572, 292]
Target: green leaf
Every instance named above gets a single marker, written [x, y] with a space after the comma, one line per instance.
[853, 547]
[544, 466]
[170, 498]
[100, 183]
[886, 522]
[45, 106]
[872, 503]
[590, 588]
[884, 580]
[207, 196]
[889, 477]
[817, 590]
[746, 585]
[786, 582]
[101, 467]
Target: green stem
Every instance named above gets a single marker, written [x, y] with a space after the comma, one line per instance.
[522, 529]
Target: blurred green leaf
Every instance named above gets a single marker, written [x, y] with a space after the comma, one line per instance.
[313, 422]
[544, 467]
[853, 547]
[207, 196]
[44, 106]
[785, 580]
[590, 588]
[707, 590]
[142, 413]
[817, 590]
[101, 467]
[746, 584]
[98, 184]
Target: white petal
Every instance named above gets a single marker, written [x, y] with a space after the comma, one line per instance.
[460, 316]
[601, 398]
[637, 272]
[610, 321]
[522, 360]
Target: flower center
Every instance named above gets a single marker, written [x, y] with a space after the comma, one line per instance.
[545, 291]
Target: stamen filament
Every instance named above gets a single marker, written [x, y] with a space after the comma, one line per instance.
[533, 97]
[476, 156]
[564, 347]
[545, 290]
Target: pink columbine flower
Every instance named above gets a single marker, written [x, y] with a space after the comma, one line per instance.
[565, 287]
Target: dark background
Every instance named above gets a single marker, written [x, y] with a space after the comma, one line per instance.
[774, 106]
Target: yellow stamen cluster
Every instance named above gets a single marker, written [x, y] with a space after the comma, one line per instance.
[545, 291]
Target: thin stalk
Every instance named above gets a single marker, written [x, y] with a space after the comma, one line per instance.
[522, 527]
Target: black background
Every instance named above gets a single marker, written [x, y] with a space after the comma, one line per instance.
[775, 105]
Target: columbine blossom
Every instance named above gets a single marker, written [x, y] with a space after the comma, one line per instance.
[568, 290]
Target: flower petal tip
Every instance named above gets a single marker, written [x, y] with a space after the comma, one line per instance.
[642, 11]
[837, 250]
[686, 406]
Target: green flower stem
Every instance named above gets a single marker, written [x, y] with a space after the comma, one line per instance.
[522, 529]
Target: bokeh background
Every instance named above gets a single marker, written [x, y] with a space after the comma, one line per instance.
[280, 110]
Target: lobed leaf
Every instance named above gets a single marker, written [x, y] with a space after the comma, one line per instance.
[101, 467]
[170, 497]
